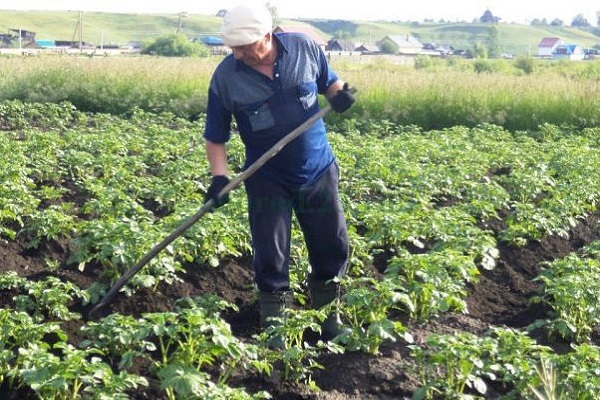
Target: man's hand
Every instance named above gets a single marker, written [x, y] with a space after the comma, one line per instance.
[343, 99]
[217, 184]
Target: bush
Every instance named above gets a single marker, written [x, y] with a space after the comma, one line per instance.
[480, 51]
[483, 65]
[424, 62]
[175, 45]
[526, 64]
[388, 47]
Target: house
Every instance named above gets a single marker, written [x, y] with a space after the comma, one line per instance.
[433, 49]
[25, 35]
[568, 52]
[134, 45]
[367, 49]
[400, 44]
[7, 39]
[305, 29]
[210, 40]
[340, 45]
[26, 38]
[73, 44]
[215, 44]
[547, 46]
[591, 54]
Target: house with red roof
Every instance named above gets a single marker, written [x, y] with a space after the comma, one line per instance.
[548, 45]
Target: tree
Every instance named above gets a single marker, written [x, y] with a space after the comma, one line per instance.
[539, 22]
[494, 49]
[488, 18]
[338, 34]
[388, 47]
[557, 22]
[174, 45]
[580, 21]
[479, 50]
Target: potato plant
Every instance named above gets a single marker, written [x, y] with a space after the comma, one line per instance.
[571, 291]
[427, 213]
[297, 360]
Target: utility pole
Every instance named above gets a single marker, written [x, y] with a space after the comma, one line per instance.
[80, 30]
[182, 15]
[79, 27]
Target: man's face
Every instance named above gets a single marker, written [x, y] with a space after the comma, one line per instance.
[254, 53]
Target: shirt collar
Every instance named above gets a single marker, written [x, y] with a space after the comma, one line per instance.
[281, 49]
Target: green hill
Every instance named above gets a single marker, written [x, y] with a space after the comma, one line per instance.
[108, 28]
[105, 27]
[516, 39]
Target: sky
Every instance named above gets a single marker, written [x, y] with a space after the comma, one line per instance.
[519, 11]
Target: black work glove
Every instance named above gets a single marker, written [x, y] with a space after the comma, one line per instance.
[217, 184]
[343, 99]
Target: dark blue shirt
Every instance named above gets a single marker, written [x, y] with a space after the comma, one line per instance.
[266, 110]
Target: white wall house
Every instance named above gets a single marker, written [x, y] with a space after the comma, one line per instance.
[405, 44]
[547, 46]
[568, 52]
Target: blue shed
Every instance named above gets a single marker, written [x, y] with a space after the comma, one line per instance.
[212, 41]
[45, 43]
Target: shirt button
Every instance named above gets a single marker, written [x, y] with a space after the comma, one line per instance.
[276, 75]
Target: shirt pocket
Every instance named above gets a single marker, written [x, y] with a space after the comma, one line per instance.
[307, 95]
[260, 117]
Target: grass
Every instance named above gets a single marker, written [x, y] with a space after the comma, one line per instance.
[113, 85]
[442, 93]
[445, 97]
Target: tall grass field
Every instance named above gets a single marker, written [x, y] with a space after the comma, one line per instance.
[517, 94]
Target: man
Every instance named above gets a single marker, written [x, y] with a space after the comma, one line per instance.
[269, 84]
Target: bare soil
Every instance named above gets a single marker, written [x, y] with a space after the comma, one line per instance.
[501, 297]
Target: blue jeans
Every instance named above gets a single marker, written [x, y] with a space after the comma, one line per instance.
[321, 217]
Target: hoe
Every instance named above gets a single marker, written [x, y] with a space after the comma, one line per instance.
[234, 183]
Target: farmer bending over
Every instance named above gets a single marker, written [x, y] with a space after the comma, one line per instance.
[270, 86]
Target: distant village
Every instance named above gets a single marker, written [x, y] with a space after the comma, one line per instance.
[26, 42]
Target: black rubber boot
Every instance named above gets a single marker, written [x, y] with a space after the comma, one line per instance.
[322, 294]
[273, 305]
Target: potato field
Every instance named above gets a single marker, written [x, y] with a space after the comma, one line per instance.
[474, 269]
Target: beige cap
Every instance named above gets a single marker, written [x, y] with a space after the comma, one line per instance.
[245, 24]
